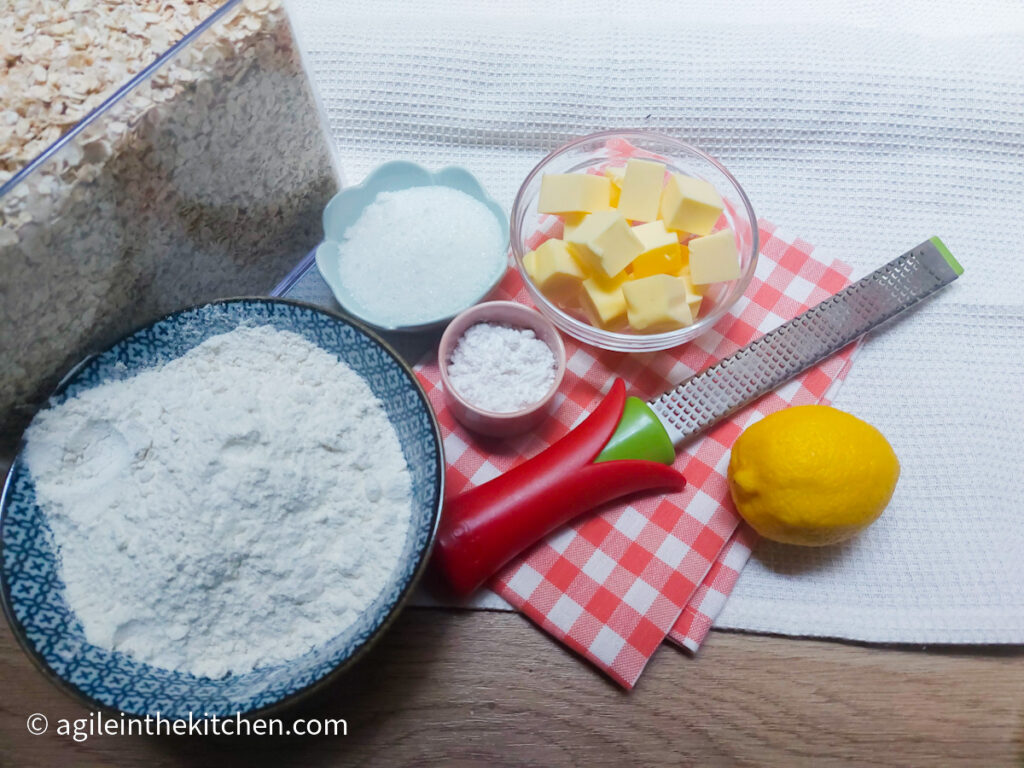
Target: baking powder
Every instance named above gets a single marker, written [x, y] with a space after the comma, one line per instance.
[227, 510]
[501, 369]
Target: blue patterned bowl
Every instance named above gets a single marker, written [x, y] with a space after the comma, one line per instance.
[31, 587]
[347, 206]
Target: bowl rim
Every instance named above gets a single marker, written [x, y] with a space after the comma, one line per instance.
[435, 179]
[503, 416]
[423, 556]
[626, 342]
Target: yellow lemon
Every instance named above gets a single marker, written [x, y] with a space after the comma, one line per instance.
[811, 475]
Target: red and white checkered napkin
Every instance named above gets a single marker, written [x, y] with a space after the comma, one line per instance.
[614, 584]
[709, 599]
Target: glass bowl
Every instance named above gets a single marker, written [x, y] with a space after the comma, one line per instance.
[530, 228]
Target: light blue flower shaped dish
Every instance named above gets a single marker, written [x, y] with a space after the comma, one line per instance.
[32, 590]
[347, 206]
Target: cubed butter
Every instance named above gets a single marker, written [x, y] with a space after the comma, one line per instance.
[690, 205]
[714, 258]
[554, 270]
[615, 247]
[615, 173]
[578, 228]
[691, 287]
[693, 302]
[661, 254]
[641, 190]
[605, 244]
[574, 193]
[694, 293]
[603, 300]
[571, 222]
[589, 226]
[657, 303]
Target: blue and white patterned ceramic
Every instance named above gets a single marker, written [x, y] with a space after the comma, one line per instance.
[32, 591]
[347, 206]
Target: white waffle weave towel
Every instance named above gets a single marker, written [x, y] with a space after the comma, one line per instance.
[865, 127]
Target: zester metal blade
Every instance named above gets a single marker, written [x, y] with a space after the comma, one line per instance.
[808, 338]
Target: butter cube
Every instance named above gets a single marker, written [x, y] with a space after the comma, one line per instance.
[690, 205]
[603, 300]
[641, 190]
[588, 226]
[554, 270]
[571, 222]
[580, 227]
[693, 302]
[615, 173]
[714, 258]
[694, 295]
[605, 244]
[657, 303]
[574, 193]
[530, 262]
[662, 254]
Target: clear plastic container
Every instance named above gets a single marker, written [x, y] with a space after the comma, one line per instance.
[204, 176]
[614, 148]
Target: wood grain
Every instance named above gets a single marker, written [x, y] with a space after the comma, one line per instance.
[455, 688]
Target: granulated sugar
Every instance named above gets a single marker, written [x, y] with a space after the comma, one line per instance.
[420, 254]
[501, 369]
[228, 510]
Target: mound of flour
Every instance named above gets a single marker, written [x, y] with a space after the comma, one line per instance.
[227, 510]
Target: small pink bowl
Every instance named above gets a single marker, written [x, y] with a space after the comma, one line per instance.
[517, 316]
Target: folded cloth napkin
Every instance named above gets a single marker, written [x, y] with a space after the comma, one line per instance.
[613, 585]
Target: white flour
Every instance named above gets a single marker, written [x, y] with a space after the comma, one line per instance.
[501, 369]
[228, 510]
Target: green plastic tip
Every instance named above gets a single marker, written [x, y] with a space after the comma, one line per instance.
[640, 435]
[953, 263]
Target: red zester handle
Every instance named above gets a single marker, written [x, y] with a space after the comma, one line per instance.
[485, 527]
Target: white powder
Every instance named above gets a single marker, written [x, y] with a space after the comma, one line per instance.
[420, 254]
[228, 510]
[501, 369]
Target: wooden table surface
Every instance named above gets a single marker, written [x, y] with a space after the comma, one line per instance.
[459, 688]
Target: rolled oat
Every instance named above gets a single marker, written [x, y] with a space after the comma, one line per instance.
[206, 180]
